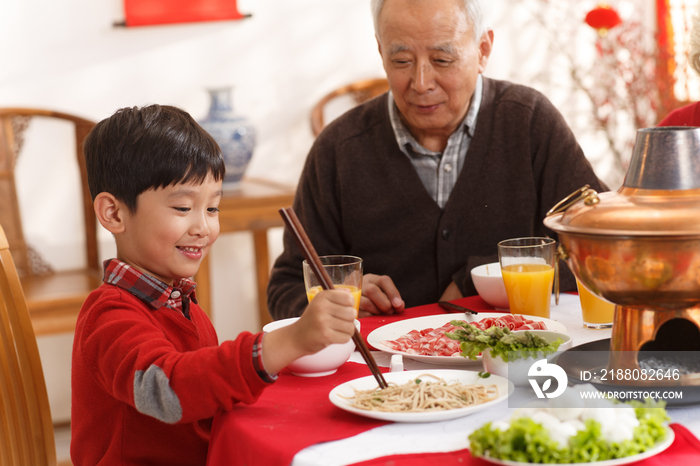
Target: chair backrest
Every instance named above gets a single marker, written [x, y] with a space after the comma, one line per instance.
[26, 429]
[13, 121]
[359, 92]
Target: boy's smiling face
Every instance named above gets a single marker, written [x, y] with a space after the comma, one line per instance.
[172, 229]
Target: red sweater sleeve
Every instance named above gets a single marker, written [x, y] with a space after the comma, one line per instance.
[162, 364]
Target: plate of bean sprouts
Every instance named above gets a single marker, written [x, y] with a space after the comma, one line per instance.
[421, 396]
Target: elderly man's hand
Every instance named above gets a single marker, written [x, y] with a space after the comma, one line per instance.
[379, 296]
[451, 292]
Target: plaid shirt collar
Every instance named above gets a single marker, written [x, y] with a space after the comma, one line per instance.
[406, 140]
[149, 289]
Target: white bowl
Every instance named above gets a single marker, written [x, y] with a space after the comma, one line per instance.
[325, 362]
[489, 284]
[517, 371]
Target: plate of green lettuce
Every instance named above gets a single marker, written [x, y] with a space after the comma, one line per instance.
[526, 442]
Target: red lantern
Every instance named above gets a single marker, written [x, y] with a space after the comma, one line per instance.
[602, 18]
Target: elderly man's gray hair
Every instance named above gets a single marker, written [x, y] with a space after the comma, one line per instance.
[474, 9]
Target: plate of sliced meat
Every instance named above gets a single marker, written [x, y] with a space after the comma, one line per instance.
[423, 338]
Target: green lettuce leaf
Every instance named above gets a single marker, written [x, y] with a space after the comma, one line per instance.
[473, 341]
[527, 441]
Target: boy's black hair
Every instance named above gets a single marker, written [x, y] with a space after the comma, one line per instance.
[151, 147]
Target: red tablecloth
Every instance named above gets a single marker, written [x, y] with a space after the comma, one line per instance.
[296, 413]
[289, 416]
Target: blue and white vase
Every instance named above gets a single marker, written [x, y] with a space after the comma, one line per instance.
[234, 134]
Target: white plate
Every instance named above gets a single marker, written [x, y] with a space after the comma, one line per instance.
[465, 377]
[394, 330]
[661, 446]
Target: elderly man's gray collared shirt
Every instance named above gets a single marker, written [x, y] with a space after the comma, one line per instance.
[438, 171]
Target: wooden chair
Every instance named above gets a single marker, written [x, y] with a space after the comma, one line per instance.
[53, 299]
[26, 430]
[358, 92]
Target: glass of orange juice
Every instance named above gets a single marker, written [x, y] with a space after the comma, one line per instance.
[597, 312]
[527, 266]
[345, 273]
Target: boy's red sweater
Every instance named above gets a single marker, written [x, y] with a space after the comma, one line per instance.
[127, 354]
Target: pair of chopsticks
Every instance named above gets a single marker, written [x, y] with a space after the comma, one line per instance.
[451, 307]
[292, 221]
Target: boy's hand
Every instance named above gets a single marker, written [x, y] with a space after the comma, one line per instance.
[328, 319]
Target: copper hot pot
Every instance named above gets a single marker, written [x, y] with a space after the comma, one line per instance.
[639, 247]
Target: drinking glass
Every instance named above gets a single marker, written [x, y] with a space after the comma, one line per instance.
[527, 265]
[345, 273]
[597, 313]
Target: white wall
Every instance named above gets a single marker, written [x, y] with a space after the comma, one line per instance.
[67, 56]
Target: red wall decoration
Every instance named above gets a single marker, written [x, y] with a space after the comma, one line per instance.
[151, 12]
[667, 61]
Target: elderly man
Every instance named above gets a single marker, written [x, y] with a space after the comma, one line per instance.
[424, 181]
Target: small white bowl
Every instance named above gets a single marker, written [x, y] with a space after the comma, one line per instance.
[325, 362]
[516, 371]
[489, 284]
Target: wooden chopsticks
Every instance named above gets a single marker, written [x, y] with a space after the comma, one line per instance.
[292, 221]
[451, 307]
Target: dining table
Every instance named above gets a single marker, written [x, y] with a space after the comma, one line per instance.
[294, 423]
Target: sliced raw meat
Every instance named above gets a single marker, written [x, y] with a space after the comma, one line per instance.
[433, 342]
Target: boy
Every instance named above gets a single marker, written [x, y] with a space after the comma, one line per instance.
[148, 374]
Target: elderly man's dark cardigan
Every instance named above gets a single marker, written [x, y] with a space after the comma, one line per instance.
[360, 195]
